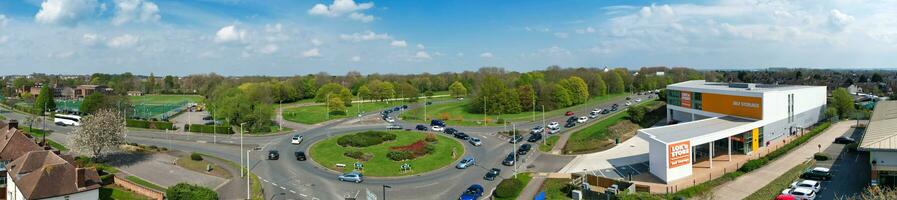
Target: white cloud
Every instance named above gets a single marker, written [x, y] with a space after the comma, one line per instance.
[365, 36]
[90, 39]
[229, 34]
[356, 58]
[64, 12]
[420, 46]
[316, 42]
[126, 40]
[486, 55]
[555, 51]
[839, 20]
[342, 7]
[135, 10]
[267, 49]
[398, 43]
[586, 30]
[561, 35]
[423, 55]
[312, 53]
[3, 21]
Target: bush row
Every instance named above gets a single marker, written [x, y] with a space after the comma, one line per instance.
[161, 125]
[365, 139]
[509, 188]
[756, 164]
[199, 128]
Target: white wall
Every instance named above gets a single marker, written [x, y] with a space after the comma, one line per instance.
[883, 158]
[657, 158]
[13, 193]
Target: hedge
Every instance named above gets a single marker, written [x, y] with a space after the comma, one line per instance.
[757, 163]
[365, 139]
[200, 128]
[161, 125]
[187, 191]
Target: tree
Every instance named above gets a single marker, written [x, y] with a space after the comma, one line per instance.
[151, 84]
[184, 191]
[457, 90]
[92, 103]
[526, 96]
[364, 92]
[600, 86]
[333, 89]
[44, 101]
[562, 96]
[843, 101]
[615, 83]
[876, 78]
[168, 83]
[578, 89]
[336, 105]
[99, 132]
[637, 113]
[409, 91]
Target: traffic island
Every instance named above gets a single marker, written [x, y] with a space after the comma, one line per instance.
[387, 154]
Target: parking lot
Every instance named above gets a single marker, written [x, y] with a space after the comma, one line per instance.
[850, 170]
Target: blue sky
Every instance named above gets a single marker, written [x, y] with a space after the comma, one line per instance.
[286, 37]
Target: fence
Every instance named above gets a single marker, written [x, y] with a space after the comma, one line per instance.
[139, 189]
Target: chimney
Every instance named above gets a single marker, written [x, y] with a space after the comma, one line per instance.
[13, 124]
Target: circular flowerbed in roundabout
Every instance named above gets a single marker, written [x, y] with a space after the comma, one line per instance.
[383, 153]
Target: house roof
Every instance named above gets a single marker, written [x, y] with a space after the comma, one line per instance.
[43, 174]
[881, 133]
[14, 143]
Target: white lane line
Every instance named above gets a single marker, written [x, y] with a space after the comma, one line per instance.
[283, 188]
[291, 191]
[266, 180]
[275, 184]
[303, 195]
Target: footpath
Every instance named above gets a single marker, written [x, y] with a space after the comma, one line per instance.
[749, 183]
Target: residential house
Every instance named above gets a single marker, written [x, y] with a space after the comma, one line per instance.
[45, 175]
[83, 90]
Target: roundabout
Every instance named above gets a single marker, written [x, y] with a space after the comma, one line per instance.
[422, 152]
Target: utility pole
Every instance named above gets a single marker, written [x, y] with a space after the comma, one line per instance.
[327, 102]
[544, 126]
[485, 99]
[241, 148]
[514, 129]
[280, 121]
[534, 107]
[248, 192]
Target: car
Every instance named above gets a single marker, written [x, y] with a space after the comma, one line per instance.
[571, 120]
[421, 127]
[817, 173]
[811, 184]
[593, 115]
[390, 120]
[396, 108]
[450, 131]
[628, 103]
[429, 103]
[605, 111]
[351, 177]
[461, 135]
[582, 119]
[473, 192]
[296, 139]
[491, 174]
[844, 140]
[568, 113]
[475, 141]
[638, 100]
[553, 125]
[273, 155]
[515, 139]
[613, 109]
[524, 149]
[300, 155]
[628, 98]
[510, 159]
[534, 137]
[615, 106]
[570, 125]
[393, 126]
[801, 193]
[466, 162]
[207, 117]
[437, 122]
[537, 129]
[554, 130]
[404, 107]
[438, 128]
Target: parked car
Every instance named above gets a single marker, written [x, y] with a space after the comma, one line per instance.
[553, 125]
[628, 98]
[300, 155]
[397, 108]
[461, 135]
[524, 149]
[296, 139]
[844, 140]
[404, 107]
[473, 192]
[466, 162]
[450, 131]
[817, 173]
[628, 103]
[582, 119]
[801, 193]
[510, 159]
[393, 126]
[515, 139]
[207, 117]
[570, 125]
[421, 127]
[438, 128]
[437, 122]
[568, 113]
[554, 130]
[273, 155]
[638, 100]
[613, 109]
[534, 137]
[390, 120]
[571, 120]
[491, 174]
[605, 111]
[351, 177]
[538, 129]
[810, 184]
[593, 115]
[475, 141]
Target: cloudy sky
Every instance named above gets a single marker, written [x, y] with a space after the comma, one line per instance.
[286, 37]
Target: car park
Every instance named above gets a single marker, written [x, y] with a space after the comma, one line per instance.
[817, 173]
[491, 174]
[273, 155]
[296, 139]
[515, 139]
[438, 128]
[582, 119]
[473, 192]
[466, 162]
[475, 141]
[524, 149]
[810, 184]
[534, 137]
[553, 125]
[844, 140]
[537, 129]
[801, 193]
[461, 135]
[510, 159]
[568, 113]
[393, 126]
[554, 130]
[421, 127]
[351, 177]
[300, 155]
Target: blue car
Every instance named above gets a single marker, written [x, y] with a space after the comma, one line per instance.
[466, 162]
[473, 192]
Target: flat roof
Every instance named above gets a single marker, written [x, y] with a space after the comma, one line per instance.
[881, 133]
[718, 86]
[694, 129]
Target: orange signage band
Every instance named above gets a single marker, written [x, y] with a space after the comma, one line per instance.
[679, 154]
[749, 107]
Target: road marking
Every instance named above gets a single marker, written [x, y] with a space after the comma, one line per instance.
[291, 191]
[303, 195]
[266, 180]
[283, 188]
[275, 184]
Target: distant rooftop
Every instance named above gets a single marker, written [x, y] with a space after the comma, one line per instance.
[881, 134]
[736, 87]
[695, 129]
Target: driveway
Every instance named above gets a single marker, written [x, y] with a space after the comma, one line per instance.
[159, 168]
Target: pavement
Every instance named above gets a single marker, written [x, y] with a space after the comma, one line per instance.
[160, 169]
[532, 188]
[749, 183]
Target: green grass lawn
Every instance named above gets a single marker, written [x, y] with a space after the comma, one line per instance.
[328, 153]
[164, 99]
[145, 183]
[776, 186]
[458, 114]
[589, 138]
[113, 192]
[57, 145]
[317, 113]
[524, 180]
[35, 132]
[200, 166]
[549, 143]
[556, 188]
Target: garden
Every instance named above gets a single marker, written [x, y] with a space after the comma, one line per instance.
[383, 154]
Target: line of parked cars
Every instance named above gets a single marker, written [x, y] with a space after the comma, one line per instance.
[809, 185]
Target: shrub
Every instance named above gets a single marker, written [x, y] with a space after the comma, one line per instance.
[400, 155]
[200, 128]
[752, 165]
[365, 139]
[192, 192]
[161, 125]
[821, 156]
[195, 156]
[355, 154]
[431, 137]
[508, 188]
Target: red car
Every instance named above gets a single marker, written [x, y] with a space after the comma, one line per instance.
[569, 113]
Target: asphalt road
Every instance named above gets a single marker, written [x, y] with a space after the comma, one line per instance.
[849, 170]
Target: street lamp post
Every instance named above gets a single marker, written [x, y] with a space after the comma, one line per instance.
[514, 130]
[384, 191]
[241, 148]
[544, 126]
[248, 192]
[327, 103]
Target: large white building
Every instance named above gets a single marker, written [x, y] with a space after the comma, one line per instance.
[714, 119]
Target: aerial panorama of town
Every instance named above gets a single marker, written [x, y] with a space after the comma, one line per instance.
[448, 99]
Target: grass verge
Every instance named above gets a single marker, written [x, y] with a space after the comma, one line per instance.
[524, 179]
[557, 188]
[145, 183]
[549, 143]
[328, 153]
[57, 145]
[318, 113]
[200, 166]
[114, 192]
[599, 136]
[776, 186]
[255, 184]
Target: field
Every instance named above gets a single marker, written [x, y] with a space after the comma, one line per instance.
[317, 113]
[456, 112]
[594, 137]
[328, 153]
[147, 106]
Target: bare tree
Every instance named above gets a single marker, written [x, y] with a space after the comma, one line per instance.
[99, 132]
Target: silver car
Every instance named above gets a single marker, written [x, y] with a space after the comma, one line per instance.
[475, 141]
[351, 177]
